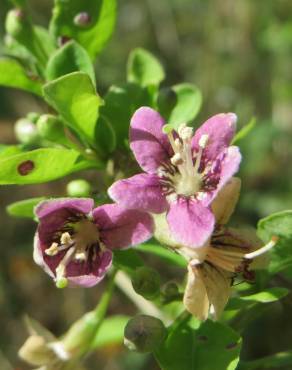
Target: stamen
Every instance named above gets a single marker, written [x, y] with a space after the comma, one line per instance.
[203, 141]
[53, 250]
[185, 132]
[66, 238]
[264, 249]
[61, 269]
[176, 159]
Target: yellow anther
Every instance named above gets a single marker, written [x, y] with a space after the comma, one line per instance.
[66, 238]
[53, 250]
[176, 159]
[203, 141]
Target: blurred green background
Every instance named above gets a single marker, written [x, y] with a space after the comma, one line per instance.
[239, 54]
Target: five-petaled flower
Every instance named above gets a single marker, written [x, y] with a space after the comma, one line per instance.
[227, 254]
[74, 241]
[184, 172]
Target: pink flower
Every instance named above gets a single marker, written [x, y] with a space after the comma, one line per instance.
[184, 172]
[74, 242]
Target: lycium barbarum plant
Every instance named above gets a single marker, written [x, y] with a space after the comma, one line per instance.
[183, 200]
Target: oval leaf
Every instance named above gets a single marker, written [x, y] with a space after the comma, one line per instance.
[24, 208]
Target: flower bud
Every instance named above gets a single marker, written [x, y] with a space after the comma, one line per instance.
[35, 351]
[33, 116]
[78, 188]
[170, 290]
[79, 337]
[26, 131]
[144, 333]
[51, 128]
[82, 19]
[166, 101]
[146, 282]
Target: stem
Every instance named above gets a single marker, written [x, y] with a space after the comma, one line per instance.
[102, 305]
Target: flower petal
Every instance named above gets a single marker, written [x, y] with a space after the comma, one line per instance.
[195, 297]
[190, 222]
[141, 191]
[38, 255]
[149, 144]
[220, 130]
[121, 228]
[78, 274]
[225, 201]
[218, 286]
[83, 205]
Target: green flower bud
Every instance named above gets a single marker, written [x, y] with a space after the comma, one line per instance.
[146, 282]
[78, 188]
[144, 333]
[51, 128]
[166, 101]
[79, 337]
[33, 116]
[170, 290]
[26, 131]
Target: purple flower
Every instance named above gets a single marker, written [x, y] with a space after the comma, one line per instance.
[184, 172]
[74, 242]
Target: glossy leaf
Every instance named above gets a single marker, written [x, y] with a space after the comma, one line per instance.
[74, 97]
[266, 296]
[99, 20]
[144, 69]
[24, 208]
[110, 332]
[192, 345]
[40, 165]
[127, 260]
[70, 58]
[189, 101]
[280, 225]
[13, 74]
[105, 136]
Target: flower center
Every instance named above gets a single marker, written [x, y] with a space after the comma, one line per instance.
[81, 242]
[184, 177]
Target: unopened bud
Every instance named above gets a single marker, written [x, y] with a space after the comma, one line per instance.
[79, 337]
[33, 116]
[144, 333]
[78, 188]
[51, 128]
[18, 26]
[170, 290]
[35, 351]
[82, 19]
[26, 131]
[146, 282]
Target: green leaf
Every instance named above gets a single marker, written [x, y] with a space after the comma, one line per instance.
[144, 69]
[46, 39]
[189, 101]
[244, 131]
[266, 296]
[93, 34]
[70, 58]
[277, 361]
[127, 260]
[24, 208]
[280, 225]
[40, 165]
[12, 74]
[74, 97]
[110, 332]
[165, 254]
[120, 104]
[7, 151]
[192, 345]
[105, 137]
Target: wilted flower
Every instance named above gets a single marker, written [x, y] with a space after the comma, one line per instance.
[228, 253]
[184, 172]
[74, 242]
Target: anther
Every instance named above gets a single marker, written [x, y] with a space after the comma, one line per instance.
[66, 238]
[176, 159]
[185, 132]
[53, 250]
[203, 141]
